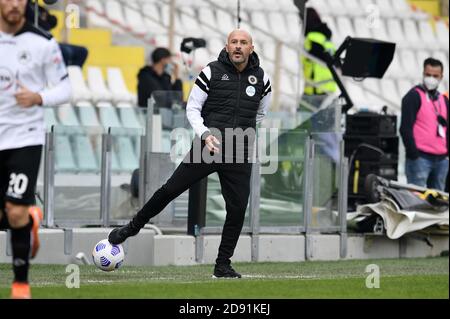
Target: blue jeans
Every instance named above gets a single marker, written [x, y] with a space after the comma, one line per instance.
[427, 171]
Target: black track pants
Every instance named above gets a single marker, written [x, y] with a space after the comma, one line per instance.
[235, 183]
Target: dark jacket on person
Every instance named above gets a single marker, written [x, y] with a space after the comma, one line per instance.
[233, 99]
[411, 104]
[149, 81]
[228, 105]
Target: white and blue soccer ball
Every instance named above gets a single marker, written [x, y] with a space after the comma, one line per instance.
[106, 256]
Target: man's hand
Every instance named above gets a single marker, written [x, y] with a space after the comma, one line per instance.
[175, 72]
[211, 141]
[26, 98]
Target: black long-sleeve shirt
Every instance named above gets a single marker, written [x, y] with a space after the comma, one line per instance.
[149, 81]
[411, 103]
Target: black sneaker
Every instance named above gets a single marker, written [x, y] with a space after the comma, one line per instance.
[225, 271]
[119, 235]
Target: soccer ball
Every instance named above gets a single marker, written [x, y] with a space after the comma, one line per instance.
[107, 257]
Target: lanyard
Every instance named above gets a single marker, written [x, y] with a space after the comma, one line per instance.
[436, 111]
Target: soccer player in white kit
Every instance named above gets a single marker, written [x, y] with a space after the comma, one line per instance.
[32, 75]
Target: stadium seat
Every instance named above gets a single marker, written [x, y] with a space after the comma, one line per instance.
[215, 45]
[50, 117]
[353, 8]
[428, 36]
[126, 154]
[279, 27]
[96, 83]
[95, 15]
[259, 19]
[401, 8]
[442, 34]
[385, 8]
[356, 92]
[362, 28]
[269, 50]
[129, 118]
[396, 33]
[114, 12]
[84, 153]
[379, 31]
[411, 67]
[412, 33]
[337, 8]
[390, 92]
[287, 6]
[134, 18]
[443, 56]
[421, 55]
[286, 85]
[64, 159]
[404, 86]
[395, 69]
[345, 27]
[108, 117]
[190, 21]
[290, 58]
[80, 91]
[117, 86]
[372, 85]
[208, 20]
[88, 115]
[293, 25]
[152, 19]
[67, 115]
[165, 17]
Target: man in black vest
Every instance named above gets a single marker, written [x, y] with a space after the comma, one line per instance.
[230, 96]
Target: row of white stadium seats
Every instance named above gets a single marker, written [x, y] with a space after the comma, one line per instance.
[406, 33]
[96, 90]
[375, 8]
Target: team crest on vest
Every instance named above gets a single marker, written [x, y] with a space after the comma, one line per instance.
[225, 77]
[252, 80]
[250, 90]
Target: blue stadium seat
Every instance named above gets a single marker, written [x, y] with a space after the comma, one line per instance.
[127, 157]
[129, 117]
[109, 117]
[64, 159]
[84, 152]
[88, 116]
[50, 117]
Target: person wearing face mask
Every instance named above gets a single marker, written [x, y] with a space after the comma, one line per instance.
[424, 129]
[162, 75]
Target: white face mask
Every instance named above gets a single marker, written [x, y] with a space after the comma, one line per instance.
[431, 83]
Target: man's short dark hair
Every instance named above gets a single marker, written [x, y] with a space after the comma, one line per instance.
[433, 63]
[159, 54]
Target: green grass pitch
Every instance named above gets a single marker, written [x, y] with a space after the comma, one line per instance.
[399, 278]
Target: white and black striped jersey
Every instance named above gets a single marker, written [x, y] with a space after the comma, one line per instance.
[199, 94]
[31, 58]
